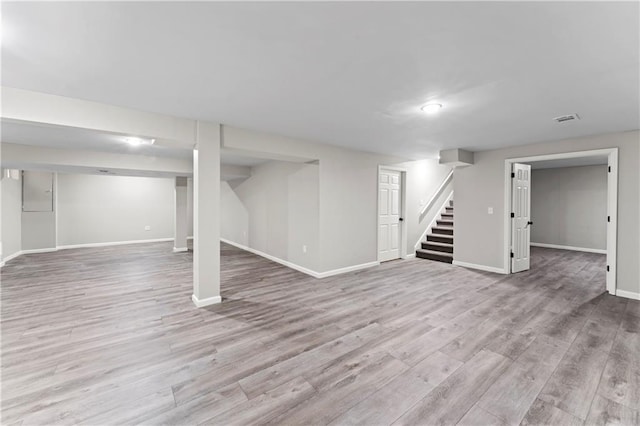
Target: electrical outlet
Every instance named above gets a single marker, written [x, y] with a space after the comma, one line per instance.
[304, 249]
[147, 228]
[490, 210]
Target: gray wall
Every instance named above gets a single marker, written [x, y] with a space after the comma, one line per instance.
[38, 230]
[424, 177]
[480, 236]
[11, 216]
[234, 217]
[99, 209]
[39, 227]
[569, 206]
[347, 194]
[275, 211]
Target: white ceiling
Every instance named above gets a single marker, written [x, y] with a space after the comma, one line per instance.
[35, 134]
[74, 138]
[347, 73]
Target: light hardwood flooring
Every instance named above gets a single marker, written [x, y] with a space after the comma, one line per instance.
[110, 336]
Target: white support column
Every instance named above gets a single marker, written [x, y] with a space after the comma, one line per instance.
[180, 224]
[206, 215]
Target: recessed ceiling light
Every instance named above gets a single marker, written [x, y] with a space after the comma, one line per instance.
[431, 108]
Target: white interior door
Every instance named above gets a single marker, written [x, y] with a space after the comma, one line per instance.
[389, 220]
[520, 217]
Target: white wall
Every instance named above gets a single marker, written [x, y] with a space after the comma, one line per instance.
[569, 206]
[39, 227]
[275, 211]
[190, 207]
[424, 177]
[11, 216]
[347, 193]
[480, 236]
[99, 209]
[38, 230]
[234, 217]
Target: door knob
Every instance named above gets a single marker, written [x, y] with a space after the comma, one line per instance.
[401, 219]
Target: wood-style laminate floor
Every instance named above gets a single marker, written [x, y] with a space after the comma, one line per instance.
[110, 336]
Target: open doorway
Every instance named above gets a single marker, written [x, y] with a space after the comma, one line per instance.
[519, 221]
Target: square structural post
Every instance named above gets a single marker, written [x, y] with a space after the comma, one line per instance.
[180, 223]
[206, 215]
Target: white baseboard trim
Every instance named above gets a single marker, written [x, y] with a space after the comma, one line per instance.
[555, 246]
[88, 245]
[42, 250]
[410, 255]
[201, 303]
[30, 251]
[346, 269]
[113, 243]
[273, 258]
[180, 249]
[299, 268]
[628, 294]
[480, 267]
[11, 256]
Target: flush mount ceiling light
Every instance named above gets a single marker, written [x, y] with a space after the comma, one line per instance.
[135, 141]
[431, 108]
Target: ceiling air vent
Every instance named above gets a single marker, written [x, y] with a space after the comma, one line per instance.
[568, 117]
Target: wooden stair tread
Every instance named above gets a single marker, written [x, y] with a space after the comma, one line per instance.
[442, 236]
[435, 255]
[444, 222]
[438, 243]
[439, 253]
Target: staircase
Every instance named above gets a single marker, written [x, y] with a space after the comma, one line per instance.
[439, 244]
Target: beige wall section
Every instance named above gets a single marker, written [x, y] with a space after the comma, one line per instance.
[11, 216]
[100, 209]
[480, 236]
[569, 206]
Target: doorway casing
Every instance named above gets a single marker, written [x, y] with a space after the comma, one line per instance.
[612, 204]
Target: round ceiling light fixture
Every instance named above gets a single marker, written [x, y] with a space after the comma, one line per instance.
[431, 108]
[135, 141]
